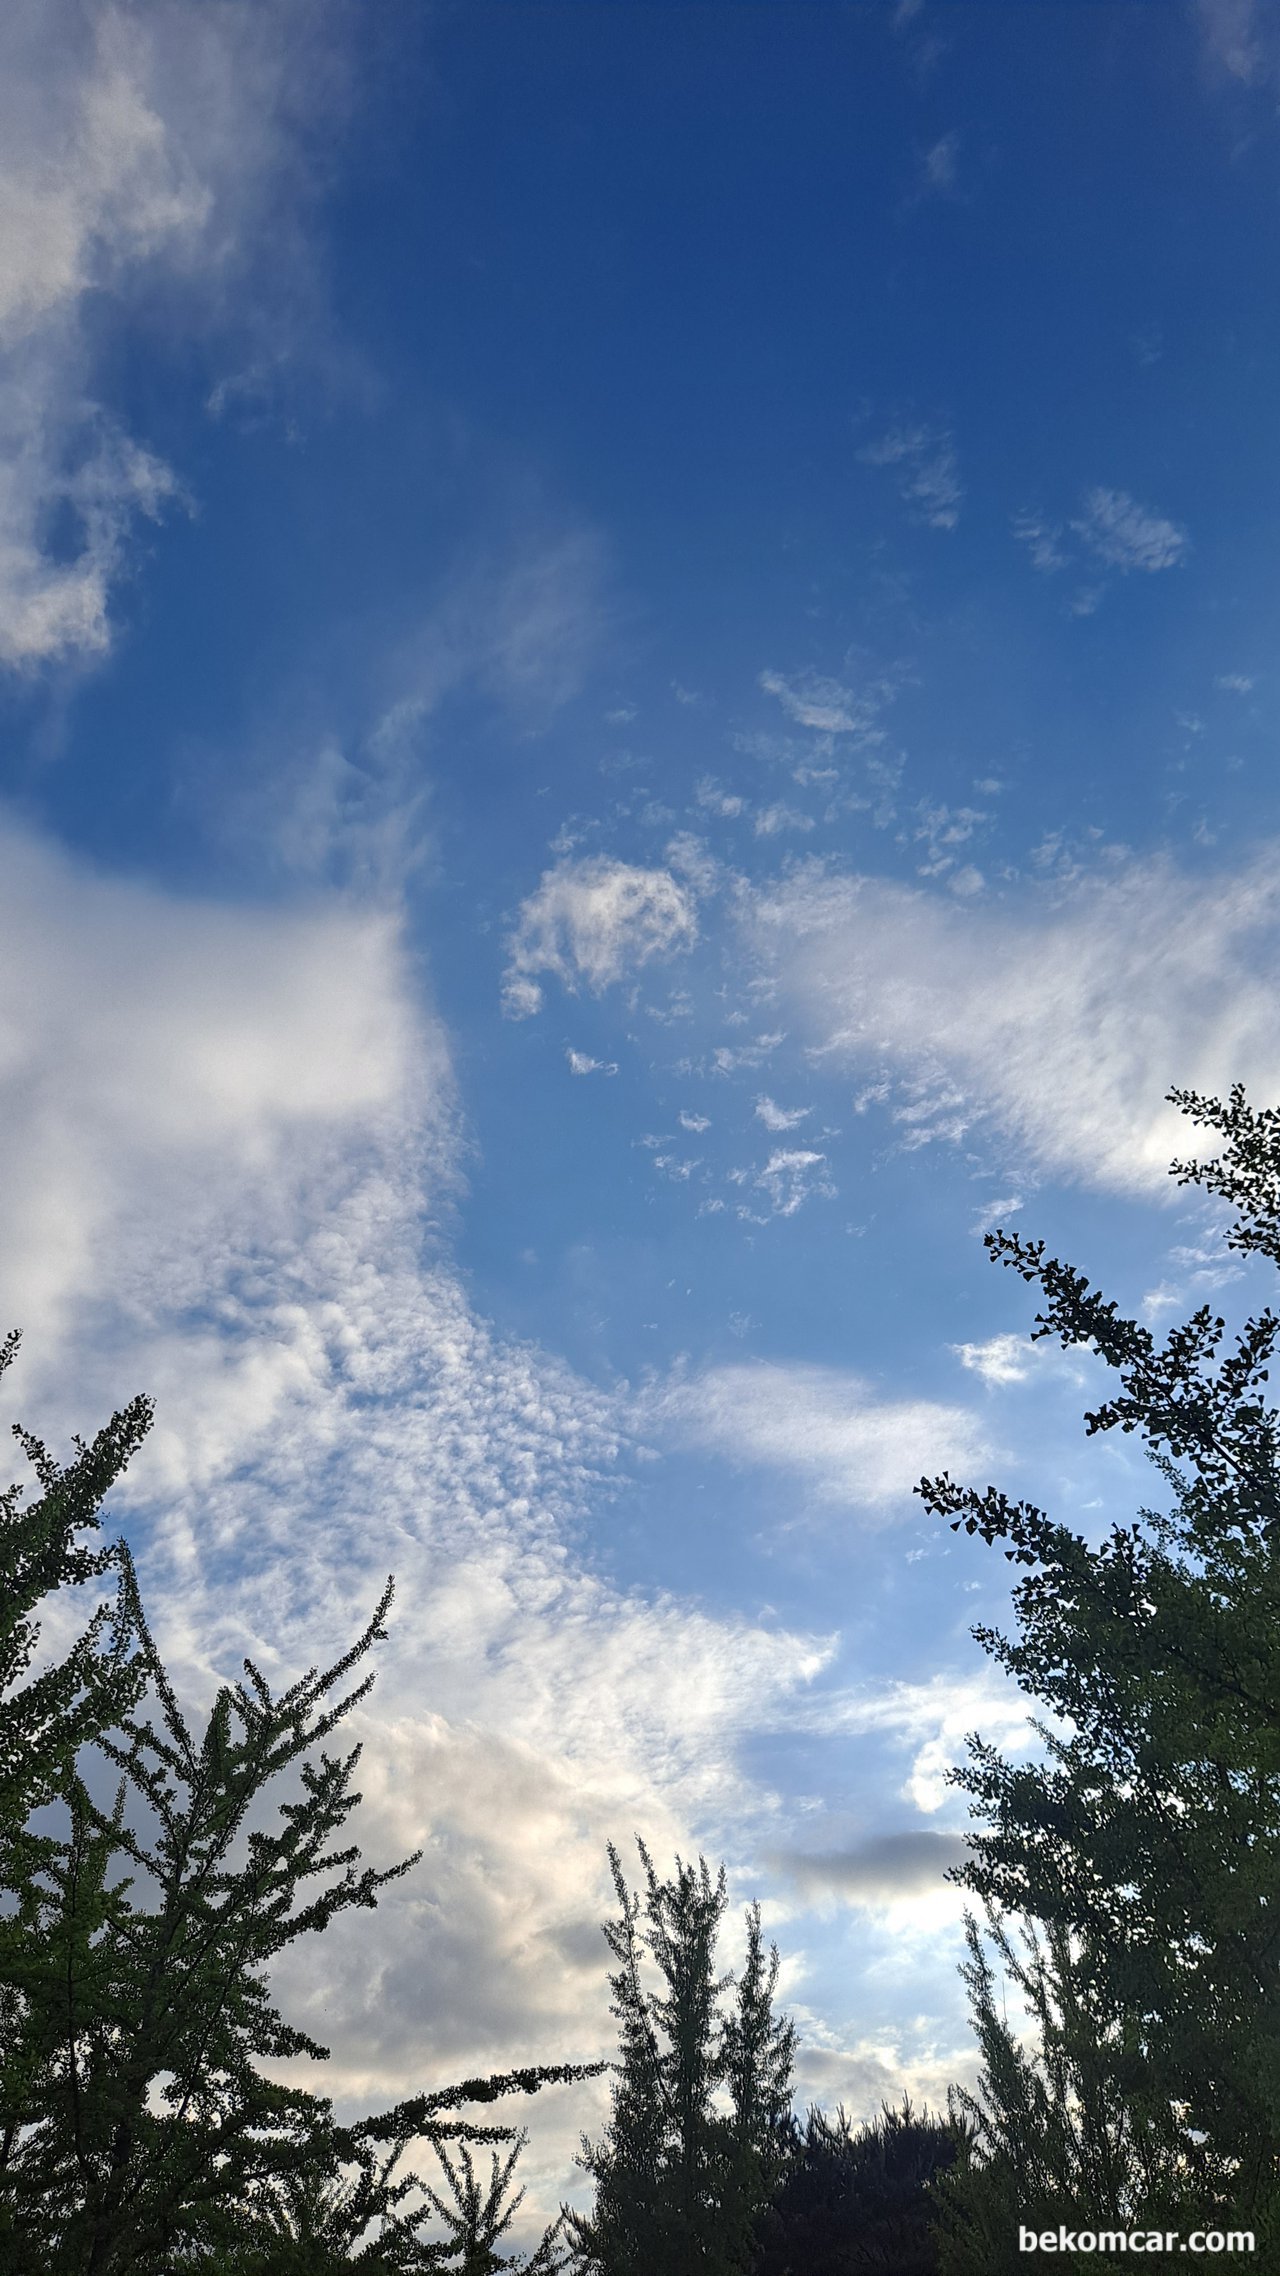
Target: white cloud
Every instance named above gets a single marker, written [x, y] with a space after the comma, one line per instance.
[1063, 1015]
[820, 1426]
[696, 1122]
[791, 1176]
[929, 480]
[1001, 1359]
[590, 922]
[581, 1063]
[773, 819]
[1125, 536]
[710, 795]
[224, 1138]
[1233, 38]
[776, 1117]
[1237, 683]
[939, 165]
[824, 704]
[133, 143]
[1043, 540]
[934, 1719]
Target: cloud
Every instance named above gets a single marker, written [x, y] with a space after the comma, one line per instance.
[228, 1147]
[1059, 1015]
[880, 1871]
[776, 1117]
[1043, 540]
[1126, 537]
[1001, 1359]
[135, 146]
[1233, 40]
[581, 1063]
[929, 479]
[772, 819]
[934, 1720]
[824, 1428]
[1237, 683]
[590, 922]
[824, 704]
[791, 1176]
[939, 165]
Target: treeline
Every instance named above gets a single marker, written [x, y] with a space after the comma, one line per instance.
[1128, 1886]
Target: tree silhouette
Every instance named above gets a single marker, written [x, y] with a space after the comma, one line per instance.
[694, 2141]
[1148, 1839]
[855, 2200]
[140, 2132]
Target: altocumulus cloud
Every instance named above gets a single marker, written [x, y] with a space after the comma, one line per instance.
[227, 1153]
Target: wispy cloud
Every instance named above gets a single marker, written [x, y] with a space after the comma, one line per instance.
[131, 143]
[1233, 36]
[1043, 540]
[1001, 1359]
[820, 1426]
[929, 473]
[775, 1117]
[1062, 1015]
[1125, 536]
[590, 922]
[933, 1721]
[939, 166]
[581, 1063]
[826, 705]
[791, 1176]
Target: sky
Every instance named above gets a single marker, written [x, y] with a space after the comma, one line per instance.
[637, 695]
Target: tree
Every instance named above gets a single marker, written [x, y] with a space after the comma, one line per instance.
[1148, 1838]
[855, 2200]
[46, 1718]
[140, 2132]
[1055, 2135]
[694, 2139]
[476, 2217]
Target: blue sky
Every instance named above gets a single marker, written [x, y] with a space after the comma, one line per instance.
[638, 695]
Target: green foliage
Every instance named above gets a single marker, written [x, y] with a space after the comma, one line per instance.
[140, 2131]
[1148, 1840]
[475, 2216]
[46, 1718]
[695, 2137]
[855, 2200]
[1061, 2132]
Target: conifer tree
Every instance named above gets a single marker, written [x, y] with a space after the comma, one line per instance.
[857, 2200]
[140, 2134]
[1148, 1838]
[691, 2150]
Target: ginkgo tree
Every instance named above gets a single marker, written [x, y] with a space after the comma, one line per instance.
[1146, 1839]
